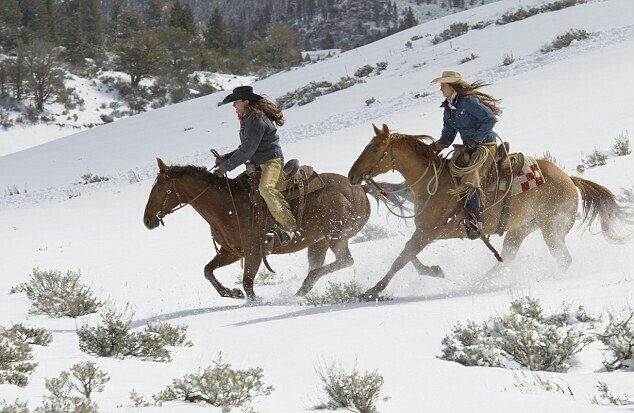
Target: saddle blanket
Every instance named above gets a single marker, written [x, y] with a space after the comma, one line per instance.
[529, 177]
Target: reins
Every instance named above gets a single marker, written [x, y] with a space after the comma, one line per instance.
[435, 180]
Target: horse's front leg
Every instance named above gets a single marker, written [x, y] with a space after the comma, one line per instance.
[416, 243]
[223, 258]
[252, 261]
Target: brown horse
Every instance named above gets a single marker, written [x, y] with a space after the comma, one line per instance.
[331, 216]
[551, 207]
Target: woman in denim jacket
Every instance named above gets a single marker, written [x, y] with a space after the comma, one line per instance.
[471, 113]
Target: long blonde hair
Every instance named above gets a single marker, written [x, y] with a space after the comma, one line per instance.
[270, 109]
[463, 88]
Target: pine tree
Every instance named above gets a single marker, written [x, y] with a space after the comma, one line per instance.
[140, 56]
[181, 48]
[77, 49]
[216, 36]
[328, 42]
[17, 73]
[279, 50]
[92, 24]
[50, 21]
[12, 20]
[128, 23]
[182, 17]
[408, 20]
[153, 14]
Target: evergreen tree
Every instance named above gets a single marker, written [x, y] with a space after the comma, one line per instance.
[153, 14]
[408, 20]
[17, 73]
[216, 36]
[116, 10]
[128, 23]
[92, 24]
[182, 17]
[140, 56]
[11, 22]
[278, 50]
[50, 21]
[328, 42]
[77, 49]
[182, 50]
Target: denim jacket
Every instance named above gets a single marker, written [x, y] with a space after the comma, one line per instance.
[471, 118]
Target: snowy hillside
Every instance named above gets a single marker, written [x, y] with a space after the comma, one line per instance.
[568, 102]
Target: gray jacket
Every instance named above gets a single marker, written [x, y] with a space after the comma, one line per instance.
[259, 142]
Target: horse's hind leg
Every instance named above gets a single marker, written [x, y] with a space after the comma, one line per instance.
[343, 259]
[554, 234]
[512, 242]
[317, 254]
[223, 258]
[429, 270]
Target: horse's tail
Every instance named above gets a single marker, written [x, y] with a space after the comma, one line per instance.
[616, 220]
[395, 194]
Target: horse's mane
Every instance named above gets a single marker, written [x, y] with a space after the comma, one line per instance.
[417, 143]
[220, 183]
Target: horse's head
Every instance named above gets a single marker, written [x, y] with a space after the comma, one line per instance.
[162, 199]
[375, 158]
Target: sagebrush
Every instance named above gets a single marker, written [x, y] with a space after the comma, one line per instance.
[525, 338]
[58, 295]
[218, 385]
[351, 390]
[595, 158]
[114, 338]
[564, 40]
[16, 354]
[618, 337]
[454, 30]
[622, 144]
[336, 293]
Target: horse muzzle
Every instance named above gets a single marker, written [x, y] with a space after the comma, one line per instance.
[355, 179]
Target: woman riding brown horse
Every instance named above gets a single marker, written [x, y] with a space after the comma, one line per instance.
[331, 216]
[551, 207]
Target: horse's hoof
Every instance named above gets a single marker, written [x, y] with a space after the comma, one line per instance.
[436, 271]
[237, 293]
[368, 296]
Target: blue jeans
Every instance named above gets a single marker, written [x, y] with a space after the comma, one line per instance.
[474, 206]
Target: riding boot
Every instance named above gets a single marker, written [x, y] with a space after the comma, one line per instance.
[473, 223]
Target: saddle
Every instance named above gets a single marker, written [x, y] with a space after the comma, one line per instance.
[299, 181]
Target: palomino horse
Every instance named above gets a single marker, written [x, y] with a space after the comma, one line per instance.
[551, 207]
[331, 216]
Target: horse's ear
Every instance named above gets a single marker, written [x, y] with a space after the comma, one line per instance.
[377, 131]
[161, 165]
[386, 130]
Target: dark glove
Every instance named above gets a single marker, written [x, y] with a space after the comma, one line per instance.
[437, 146]
[220, 170]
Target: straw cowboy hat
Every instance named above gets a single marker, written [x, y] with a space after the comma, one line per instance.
[242, 93]
[448, 76]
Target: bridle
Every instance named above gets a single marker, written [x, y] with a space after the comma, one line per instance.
[162, 214]
[431, 189]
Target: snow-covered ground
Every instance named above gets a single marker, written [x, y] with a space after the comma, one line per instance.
[567, 102]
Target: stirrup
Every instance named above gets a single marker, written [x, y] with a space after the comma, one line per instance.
[286, 236]
[474, 229]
